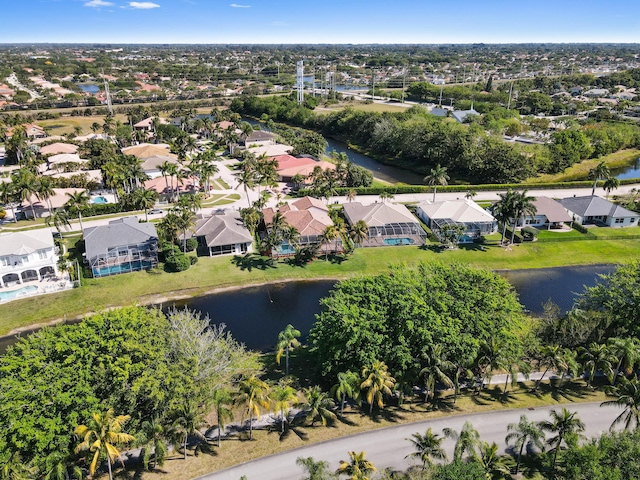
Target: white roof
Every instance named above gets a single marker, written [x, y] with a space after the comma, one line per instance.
[25, 243]
[463, 211]
[65, 157]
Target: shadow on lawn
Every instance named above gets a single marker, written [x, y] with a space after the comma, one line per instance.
[251, 260]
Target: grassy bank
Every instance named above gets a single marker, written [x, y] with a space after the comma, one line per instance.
[210, 274]
[239, 449]
[580, 171]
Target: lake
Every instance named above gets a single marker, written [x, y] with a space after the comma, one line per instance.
[255, 315]
[632, 171]
[89, 87]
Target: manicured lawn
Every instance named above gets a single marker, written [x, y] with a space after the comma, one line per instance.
[236, 450]
[213, 273]
[60, 126]
[605, 232]
[365, 107]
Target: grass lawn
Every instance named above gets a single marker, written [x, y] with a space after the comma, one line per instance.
[365, 107]
[580, 171]
[60, 126]
[213, 273]
[605, 232]
[236, 450]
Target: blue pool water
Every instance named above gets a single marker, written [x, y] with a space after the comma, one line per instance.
[100, 200]
[17, 293]
[125, 268]
[286, 249]
[398, 241]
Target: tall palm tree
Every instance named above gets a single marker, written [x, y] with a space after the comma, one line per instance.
[102, 436]
[56, 466]
[287, 341]
[522, 434]
[503, 211]
[351, 195]
[44, 190]
[78, 200]
[359, 232]
[596, 357]
[496, 467]
[59, 219]
[522, 206]
[599, 171]
[357, 468]
[155, 444]
[551, 358]
[318, 406]
[563, 424]
[427, 447]
[221, 400]
[568, 365]
[377, 383]
[254, 395]
[247, 178]
[467, 441]
[25, 187]
[438, 176]
[330, 233]
[315, 470]
[14, 468]
[187, 420]
[610, 183]
[434, 371]
[145, 199]
[627, 351]
[283, 397]
[384, 196]
[348, 386]
[7, 197]
[627, 395]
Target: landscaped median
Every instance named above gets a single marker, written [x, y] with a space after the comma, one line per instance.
[236, 450]
[210, 274]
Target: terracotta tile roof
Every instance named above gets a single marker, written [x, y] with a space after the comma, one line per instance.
[308, 215]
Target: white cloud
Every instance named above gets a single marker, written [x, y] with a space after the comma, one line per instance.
[235, 5]
[143, 5]
[98, 3]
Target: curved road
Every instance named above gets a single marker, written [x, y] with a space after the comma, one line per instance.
[388, 447]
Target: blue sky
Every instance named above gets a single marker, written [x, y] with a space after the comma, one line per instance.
[324, 21]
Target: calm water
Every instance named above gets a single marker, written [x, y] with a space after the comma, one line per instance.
[632, 171]
[89, 87]
[255, 315]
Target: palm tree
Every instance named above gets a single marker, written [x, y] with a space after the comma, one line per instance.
[357, 468]
[427, 447]
[78, 200]
[283, 397]
[7, 197]
[221, 399]
[25, 187]
[596, 357]
[187, 420]
[610, 183]
[524, 433]
[330, 233]
[145, 199]
[287, 340]
[315, 470]
[563, 424]
[102, 436]
[495, 466]
[627, 351]
[57, 466]
[44, 190]
[351, 195]
[502, 211]
[628, 398]
[436, 364]
[438, 176]
[470, 194]
[359, 232]
[247, 178]
[599, 171]
[318, 406]
[568, 365]
[467, 441]
[378, 383]
[348, 386]
[384, 196]
[551, 358]
[155, 444]
[254, 395]
[59, 219]
[14, 468]
[522, 206]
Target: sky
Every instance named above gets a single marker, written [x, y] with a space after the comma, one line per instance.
[323, 21]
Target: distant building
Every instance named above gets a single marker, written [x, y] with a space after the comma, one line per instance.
[26, 257]
[594, 210]
[222, 234]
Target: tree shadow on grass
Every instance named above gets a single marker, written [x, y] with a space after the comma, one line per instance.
[251, 260]
[385, 414]
[435, 248]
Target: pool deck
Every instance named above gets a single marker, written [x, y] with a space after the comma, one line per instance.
[44, 286]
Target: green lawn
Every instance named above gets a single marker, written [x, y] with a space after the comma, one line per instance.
[213, 273]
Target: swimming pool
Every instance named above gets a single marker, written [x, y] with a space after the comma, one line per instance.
[398, 241]
[124, 268]
[99, 199]
[21, 292]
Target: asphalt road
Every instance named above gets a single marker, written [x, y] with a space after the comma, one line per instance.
[388, 447]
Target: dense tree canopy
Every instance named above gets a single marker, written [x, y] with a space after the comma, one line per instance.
[131, 360]
[396, 317]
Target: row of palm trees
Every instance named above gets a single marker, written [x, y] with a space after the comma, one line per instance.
[511, 208]
[602, 172]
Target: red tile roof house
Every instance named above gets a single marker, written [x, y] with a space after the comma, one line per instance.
[290, 166]
[310, 217]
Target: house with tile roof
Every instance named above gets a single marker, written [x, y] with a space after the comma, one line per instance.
[389, 224]
[58, 148]
[221, 234]
[123, 245]
[594, 210]
[550, 214]
[438, 215]
[310, 217]
[290, 166]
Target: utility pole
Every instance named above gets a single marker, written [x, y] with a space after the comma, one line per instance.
[373, 84]
[404, 80]
[440, 102]
[510, 91]
[300, 81]
[333, 80]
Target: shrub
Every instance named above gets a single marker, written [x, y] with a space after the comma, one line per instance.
[178, 263]
[193, 260]
[191, 244]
